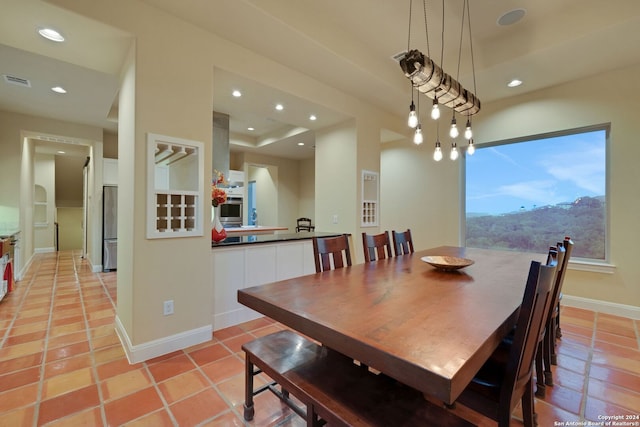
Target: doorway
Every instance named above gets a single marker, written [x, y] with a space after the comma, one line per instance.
[263, 194]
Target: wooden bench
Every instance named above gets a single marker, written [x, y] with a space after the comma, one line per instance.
[332, 388]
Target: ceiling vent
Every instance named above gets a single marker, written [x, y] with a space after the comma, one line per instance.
[16, 80]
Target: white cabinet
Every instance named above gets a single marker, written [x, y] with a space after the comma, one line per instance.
[239, 267]
[236, 177]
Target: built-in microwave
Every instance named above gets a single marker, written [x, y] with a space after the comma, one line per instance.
[231, 212]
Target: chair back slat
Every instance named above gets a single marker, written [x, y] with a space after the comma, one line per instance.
[402, 242]
[376, 246]
[331, 252]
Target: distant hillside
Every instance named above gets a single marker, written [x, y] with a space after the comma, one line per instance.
[535, 230]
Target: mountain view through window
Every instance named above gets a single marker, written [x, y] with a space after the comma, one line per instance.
[528, 195]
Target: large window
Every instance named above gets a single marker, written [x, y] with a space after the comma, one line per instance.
[528, 194]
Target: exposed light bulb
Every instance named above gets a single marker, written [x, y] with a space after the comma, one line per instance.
[417, 137]
[435, 110]
[413, 117]
[468, 133]
[454, 152]
[471, 148]
[437, 154]
[453, 131]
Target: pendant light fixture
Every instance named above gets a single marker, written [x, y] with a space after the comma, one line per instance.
[471, 148]
[412, 121]
[429, 79]
[453, 155]
[453, 130]
[437, 154]
[417, 136]
[435, 110]
[413, 117]
[468, 133]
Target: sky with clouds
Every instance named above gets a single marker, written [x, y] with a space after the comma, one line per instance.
[506, 178]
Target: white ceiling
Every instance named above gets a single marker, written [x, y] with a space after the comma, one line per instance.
[345, 44]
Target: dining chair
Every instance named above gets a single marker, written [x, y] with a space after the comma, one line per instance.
[304, 224]
[568, 243]
[503, 381]
[402, 242]
[554, 322]
[376, 246]
[543, 361]
[546, 353]
[331, 252]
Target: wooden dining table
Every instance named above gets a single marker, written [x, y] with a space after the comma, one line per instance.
[426, 327]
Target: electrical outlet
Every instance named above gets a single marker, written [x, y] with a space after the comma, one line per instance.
[168, 307]
[335, 219]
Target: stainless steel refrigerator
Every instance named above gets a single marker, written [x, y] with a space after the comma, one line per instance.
[109, 228]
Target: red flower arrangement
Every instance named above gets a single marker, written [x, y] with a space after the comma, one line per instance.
[218, 195]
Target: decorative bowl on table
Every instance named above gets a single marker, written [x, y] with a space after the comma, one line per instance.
[446, 262]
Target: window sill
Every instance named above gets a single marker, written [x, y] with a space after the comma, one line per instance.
[592, 266]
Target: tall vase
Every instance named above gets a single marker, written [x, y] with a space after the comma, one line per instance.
[218, 233]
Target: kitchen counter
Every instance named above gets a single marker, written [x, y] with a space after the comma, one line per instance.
[8, 232]
[235, 240]
[246, 230]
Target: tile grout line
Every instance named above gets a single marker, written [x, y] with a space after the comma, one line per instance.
[585, 388]
[94, 366]
[36, 410]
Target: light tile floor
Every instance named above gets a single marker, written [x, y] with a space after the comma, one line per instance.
[61, 363]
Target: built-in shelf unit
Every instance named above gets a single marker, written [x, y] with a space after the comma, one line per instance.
[175, 187]
[370, 199]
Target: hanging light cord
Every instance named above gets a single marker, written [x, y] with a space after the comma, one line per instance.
[442, 39]
[426, 27]
[461, 37]
[473, 66]
[409, 36]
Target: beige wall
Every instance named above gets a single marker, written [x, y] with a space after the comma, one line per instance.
[424, 195]
[307, 194]
[282, 204]
[69, 228]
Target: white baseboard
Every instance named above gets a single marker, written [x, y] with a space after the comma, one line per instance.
[20, 274]
[44, 250]
[612, 308]
[234, 317]
[149, 350]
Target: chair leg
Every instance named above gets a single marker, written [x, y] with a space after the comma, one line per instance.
[249, 410]
[549, 343]
[552, 341]
[540, 378]
[528, 415]
[557, 325]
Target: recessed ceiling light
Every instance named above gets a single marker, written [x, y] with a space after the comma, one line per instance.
[51, 34]
[279, 107]
[312, 117]
[514, 83]
[300, 144]
[250, 128]
[58, 89]
[237, 93]
[511, 17]
[60, 152]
